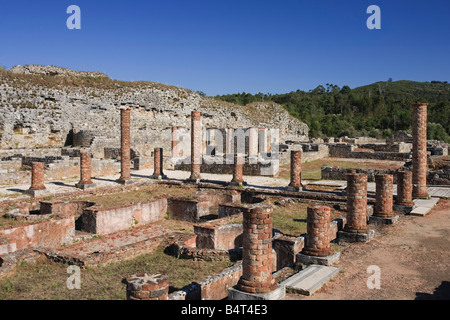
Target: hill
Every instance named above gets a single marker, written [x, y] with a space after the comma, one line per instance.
[43, 106]
[377, 110]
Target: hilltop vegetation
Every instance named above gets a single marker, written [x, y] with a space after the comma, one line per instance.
[376, 110]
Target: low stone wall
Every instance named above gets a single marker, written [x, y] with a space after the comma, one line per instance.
[338, 173]
[212, 288]
[348, 151]
[194, 209]
[49, 233]
[60, 168]
[224, 237]
[261, 167]
[382, 147]
[104, 221]
[440, 177]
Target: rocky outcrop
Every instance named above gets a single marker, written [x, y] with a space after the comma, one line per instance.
[46, 106]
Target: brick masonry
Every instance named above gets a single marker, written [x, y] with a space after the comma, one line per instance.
[419, 150]
[384, 196]
[257, 251]
[404, 188]
[196, 145]
[356, 203]
[144, 286]
[37, 176]
[296, 169]
[238, 169]
[125, 138]
[158, 162]
[85, 169]
[318, 232]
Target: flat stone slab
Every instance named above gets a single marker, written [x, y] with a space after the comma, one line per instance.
[423, 206]
[277, 294]
[427, 203]
[310, 280]
[439, 192]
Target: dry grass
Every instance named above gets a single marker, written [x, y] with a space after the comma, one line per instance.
[114, 200]
[46, 280]
[290, 219]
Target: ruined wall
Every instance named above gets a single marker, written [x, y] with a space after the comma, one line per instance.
[50, 233]
[98, 221]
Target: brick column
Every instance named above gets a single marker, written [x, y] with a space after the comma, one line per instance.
[419, 150]
[158, 164]
[257, 251]
[238, 169]
[175, 152]
[356, 203]
[85, 171]
[318, 232]
[404, 188]
[145, 286]
[384, 196]
[125, 144]
[196, 145]
[37, 176]
[296, 170]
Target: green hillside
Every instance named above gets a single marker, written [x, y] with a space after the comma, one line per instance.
[376, 110]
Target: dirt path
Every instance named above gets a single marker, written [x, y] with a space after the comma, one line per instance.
[413, 256]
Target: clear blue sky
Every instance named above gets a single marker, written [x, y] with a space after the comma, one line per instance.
[231, 46]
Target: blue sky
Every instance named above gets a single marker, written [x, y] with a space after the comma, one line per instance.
[230, 46]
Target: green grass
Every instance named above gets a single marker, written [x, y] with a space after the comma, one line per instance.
[46, 280]
[291, 219]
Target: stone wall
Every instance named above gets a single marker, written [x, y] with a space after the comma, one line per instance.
[348, 151]
[104, 221]
[338, 173]
[50, 233]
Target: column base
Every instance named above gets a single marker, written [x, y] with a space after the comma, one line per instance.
[405, 209]
[84, 186]
[344, 236]
[293, 189]
[195, 181]
[160, 177]
[36, 193]
[125, 181]
[383, 220]
[276, 294]
[237, 184]
[326, 261]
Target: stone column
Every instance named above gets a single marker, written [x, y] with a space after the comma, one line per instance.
[296, 170]
[404, 188]
[238, 169]
[158, 164]
[125, 145]
[356, 228]
[419, 150]
[196, 146]
[145, 286]
[175, 152]
[252, 142]
[262, 137]
[318, 240]
[37, 179]
[256, 256]
[384, 199]
[85, 171]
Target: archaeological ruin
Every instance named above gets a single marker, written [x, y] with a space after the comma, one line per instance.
[202, 184]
